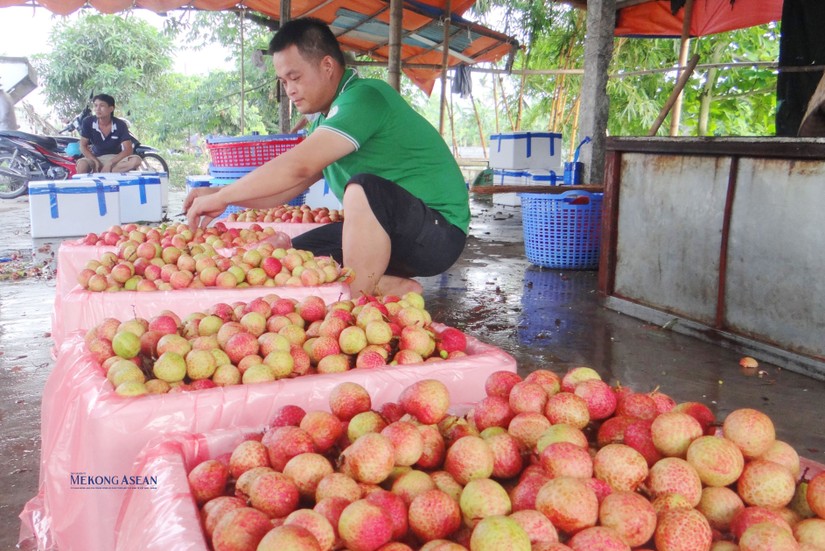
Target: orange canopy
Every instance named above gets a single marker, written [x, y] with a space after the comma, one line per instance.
[709, 17]
[362, 26]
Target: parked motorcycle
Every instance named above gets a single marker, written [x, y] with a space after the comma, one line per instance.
[28, 157]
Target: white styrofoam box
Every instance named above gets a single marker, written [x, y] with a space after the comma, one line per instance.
[319, 195]
[200, 180]
[543, 177]
[507, 199]
[66, 208]
[140, 194]
[503, 177]
[141, 199]
[164, 186]
[525, 150]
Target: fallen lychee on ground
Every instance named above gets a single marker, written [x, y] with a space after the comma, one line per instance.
[516, 471]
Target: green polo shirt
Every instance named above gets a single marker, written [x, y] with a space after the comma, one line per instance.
[394, 142]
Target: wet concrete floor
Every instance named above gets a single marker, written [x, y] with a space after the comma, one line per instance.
[544, 318]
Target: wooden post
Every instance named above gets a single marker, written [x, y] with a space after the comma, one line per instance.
[680, 84]
[684, 49]
[394, 63]
[243, 78]
[445, 58]
[283, 105]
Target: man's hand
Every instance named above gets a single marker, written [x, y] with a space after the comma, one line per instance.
[203, 205]
[95, 164]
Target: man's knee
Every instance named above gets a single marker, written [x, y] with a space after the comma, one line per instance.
[83, 166]
[354, 197]
[132, 162]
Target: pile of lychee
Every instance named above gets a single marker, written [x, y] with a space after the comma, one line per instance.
[267, 339]
[152, 266]
[542, 463]
[290, 214]
[177, 235]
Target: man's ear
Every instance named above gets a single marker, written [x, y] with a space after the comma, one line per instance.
[328, 65]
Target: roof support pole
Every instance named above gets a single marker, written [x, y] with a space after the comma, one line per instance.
[242, 14]
[445, 46]
[598, 49]
[684, 48]
[283, 101]
[394, 65]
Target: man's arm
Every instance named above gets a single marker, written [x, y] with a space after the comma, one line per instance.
[276, 182]
[125, 150]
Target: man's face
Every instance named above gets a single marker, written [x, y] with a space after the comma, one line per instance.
[102, 109]
[309, 85]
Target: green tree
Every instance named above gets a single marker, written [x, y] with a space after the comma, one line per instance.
[116, 54]
[259, 79]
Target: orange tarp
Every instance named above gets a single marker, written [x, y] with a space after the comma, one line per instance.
[709, 17]
[350, 20]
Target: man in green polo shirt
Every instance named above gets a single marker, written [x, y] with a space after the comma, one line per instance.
[405, 200]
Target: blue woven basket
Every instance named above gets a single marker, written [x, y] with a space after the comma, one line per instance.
[559, 233]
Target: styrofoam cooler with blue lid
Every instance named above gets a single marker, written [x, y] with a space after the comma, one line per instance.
[196, 181]
[68, 208]
[164, 185]
[521, 150]
[502, 177]
[141, 195]
[543, 177]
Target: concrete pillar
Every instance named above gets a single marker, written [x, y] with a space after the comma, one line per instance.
[598, 49]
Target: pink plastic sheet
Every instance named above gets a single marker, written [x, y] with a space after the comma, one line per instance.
[80, 310]
[87, 428]
[72, 257]
[292, 229]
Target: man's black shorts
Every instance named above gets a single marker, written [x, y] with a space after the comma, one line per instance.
[423, 242]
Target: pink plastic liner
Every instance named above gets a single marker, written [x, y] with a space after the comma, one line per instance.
[87, 428]
[81, 310]
[72, 256]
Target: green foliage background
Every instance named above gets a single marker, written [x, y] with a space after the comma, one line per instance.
[130, 59]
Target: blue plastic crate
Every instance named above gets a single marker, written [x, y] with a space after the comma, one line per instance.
[562, 230]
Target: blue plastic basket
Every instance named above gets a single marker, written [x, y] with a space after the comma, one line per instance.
[559, 233]
[233, 172]
[233, 209]
[299, 200]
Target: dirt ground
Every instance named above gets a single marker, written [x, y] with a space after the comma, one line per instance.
[544, 318]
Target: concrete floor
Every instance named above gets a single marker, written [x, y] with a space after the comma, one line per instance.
[544, 318]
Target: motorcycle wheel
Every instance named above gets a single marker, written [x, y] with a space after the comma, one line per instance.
[152, 162]
[14, 177]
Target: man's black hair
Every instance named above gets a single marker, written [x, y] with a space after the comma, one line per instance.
[110, 101]
[311, 36]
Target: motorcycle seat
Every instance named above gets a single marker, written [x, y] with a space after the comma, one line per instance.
[42, 141]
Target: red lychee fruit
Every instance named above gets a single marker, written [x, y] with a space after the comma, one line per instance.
[427, 400]
[364, 526]
[683, 530]
[434, 515]
[208, 480]
[499, 383]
